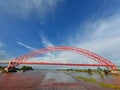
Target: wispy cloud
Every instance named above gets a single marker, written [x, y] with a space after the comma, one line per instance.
[26, 46]
[45, 41]
[103, 38]
[24, 8]
[4, 55]
[61, 56]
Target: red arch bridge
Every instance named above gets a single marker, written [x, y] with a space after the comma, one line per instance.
[97, 58]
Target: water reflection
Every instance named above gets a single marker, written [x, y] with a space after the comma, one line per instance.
[33, 80]
[53, 77]
[21, 81]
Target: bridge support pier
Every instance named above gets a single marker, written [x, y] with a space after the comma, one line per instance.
[114, 72]
[10, 69]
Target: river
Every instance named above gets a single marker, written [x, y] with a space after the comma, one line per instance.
[45, 80]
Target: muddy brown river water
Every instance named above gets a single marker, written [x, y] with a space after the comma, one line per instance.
[49, 80]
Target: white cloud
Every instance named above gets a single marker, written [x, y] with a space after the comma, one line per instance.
[3, 61]
[61, 56]
[2, 51]
[24, 8]
[104, 38]
[26, 46]
[4, 55]
[45, 41]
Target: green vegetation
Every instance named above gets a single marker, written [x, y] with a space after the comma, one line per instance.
[83, 70]
[109, 86]
[65, 69]
[87, 79]
[76, 70]
[2, 69]
[26, 68]
[90, 71]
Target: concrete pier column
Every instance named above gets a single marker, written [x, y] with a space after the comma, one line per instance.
[10, 69]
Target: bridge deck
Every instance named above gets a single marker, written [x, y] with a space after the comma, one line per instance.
[63, 64]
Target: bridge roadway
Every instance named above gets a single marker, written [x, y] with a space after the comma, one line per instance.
[63, 64]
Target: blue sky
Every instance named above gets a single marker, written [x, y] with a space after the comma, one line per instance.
[26, 25]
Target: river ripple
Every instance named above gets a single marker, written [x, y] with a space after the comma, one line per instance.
[37, 80]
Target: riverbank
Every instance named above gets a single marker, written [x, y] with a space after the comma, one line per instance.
[90, 85]
[3, 69]
[98, 82]
[102, 84]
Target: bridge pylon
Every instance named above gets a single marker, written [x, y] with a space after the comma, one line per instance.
[113, 70]
[11, 67]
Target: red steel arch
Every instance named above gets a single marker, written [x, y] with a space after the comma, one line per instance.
[95, 57]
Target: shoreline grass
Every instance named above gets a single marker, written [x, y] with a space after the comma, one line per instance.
[109, 86]
[102, 84]
[87, 79]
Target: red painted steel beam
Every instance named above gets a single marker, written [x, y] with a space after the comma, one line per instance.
[63, 64]
[84, 52]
